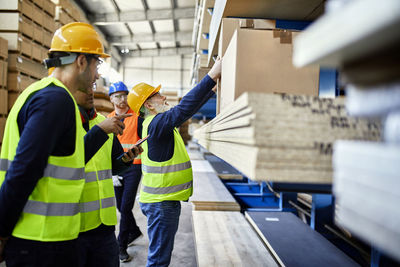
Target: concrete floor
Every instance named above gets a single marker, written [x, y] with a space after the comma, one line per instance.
[184, 253]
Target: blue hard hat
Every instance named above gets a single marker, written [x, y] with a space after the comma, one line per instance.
[117, 87]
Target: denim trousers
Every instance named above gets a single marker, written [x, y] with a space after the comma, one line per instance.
[28, 253]
[162, 225]
[125, 196]
[98, 248]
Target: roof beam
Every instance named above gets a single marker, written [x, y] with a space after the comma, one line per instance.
[151, 14]
[161, 52]
[155, 37]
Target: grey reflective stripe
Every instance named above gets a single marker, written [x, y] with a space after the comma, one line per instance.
[89, 206]
[64, 173]
[104, 174]
[90, 177]
[51, 209]
[127, 145]
[107, 202]
[4, 164]
[167, 190]
[53, 171]
[95, 205]
[167, 169]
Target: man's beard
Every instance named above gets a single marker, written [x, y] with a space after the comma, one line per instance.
[162, 108]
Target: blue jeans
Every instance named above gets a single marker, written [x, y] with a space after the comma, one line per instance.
[162, 225]
[98, 248]
[125, 196]
[28, 253]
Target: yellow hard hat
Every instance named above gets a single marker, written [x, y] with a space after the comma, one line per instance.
[139, 94]
[77, 37]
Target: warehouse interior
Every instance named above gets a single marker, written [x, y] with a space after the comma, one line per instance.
[296, 157]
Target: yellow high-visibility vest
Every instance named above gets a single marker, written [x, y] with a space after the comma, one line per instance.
[167, 180]
[52, 210]
[97, 204]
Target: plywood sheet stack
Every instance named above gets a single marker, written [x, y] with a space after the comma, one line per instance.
[66, 11]
[28, 27]
[285, 138]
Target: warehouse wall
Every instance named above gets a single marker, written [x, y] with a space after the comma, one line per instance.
[172, 72]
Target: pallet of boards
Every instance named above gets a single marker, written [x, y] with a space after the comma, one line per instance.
[283, 138]
[366, 182]
[227, 239]
[209, 193]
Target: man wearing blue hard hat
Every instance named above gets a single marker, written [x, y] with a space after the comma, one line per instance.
[126, 186]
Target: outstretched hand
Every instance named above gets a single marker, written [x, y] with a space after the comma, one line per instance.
[114, 124]
[215, 72]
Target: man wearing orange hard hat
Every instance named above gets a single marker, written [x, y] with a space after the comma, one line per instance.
[167, 172]
[42, 163]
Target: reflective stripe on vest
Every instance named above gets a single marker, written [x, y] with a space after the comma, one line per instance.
[58, 172]
[104, 174]
[51, 209]
[167, 190]
[51, 212]
[95, 205]
[167, 169]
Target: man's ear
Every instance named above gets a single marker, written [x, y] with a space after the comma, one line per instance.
[147, 104]
[81, 63]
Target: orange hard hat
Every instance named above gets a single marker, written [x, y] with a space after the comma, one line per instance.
[77, 37]
[139, 94]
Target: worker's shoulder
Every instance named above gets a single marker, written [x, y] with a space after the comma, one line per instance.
[53, 97]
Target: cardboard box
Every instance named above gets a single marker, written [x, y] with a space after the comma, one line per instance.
[3, 102]
[261, 61]
[18, 82]
[12, 97]
[229, 25]
[50, 8]
[17, 63]
[2, 127]
[3, 73]
[3, 48]
[38, 33]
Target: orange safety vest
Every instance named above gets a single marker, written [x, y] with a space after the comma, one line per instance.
[129, 136]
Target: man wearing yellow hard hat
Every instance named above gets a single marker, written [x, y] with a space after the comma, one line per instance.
[42, 161]
[167, 172]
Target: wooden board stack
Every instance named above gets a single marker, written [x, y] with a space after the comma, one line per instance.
[285, 138]
[209, 193]
[227, 239]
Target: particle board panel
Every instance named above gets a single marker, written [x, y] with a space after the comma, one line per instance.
[17, 63]
[369, 169]
[209, 193]
[294, 243]
[338, 38]
[201, 166]
[2, 126]
[25, 7]
[3, 102]
[226, 239]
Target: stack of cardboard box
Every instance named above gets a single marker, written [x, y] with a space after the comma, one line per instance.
[3, 86]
